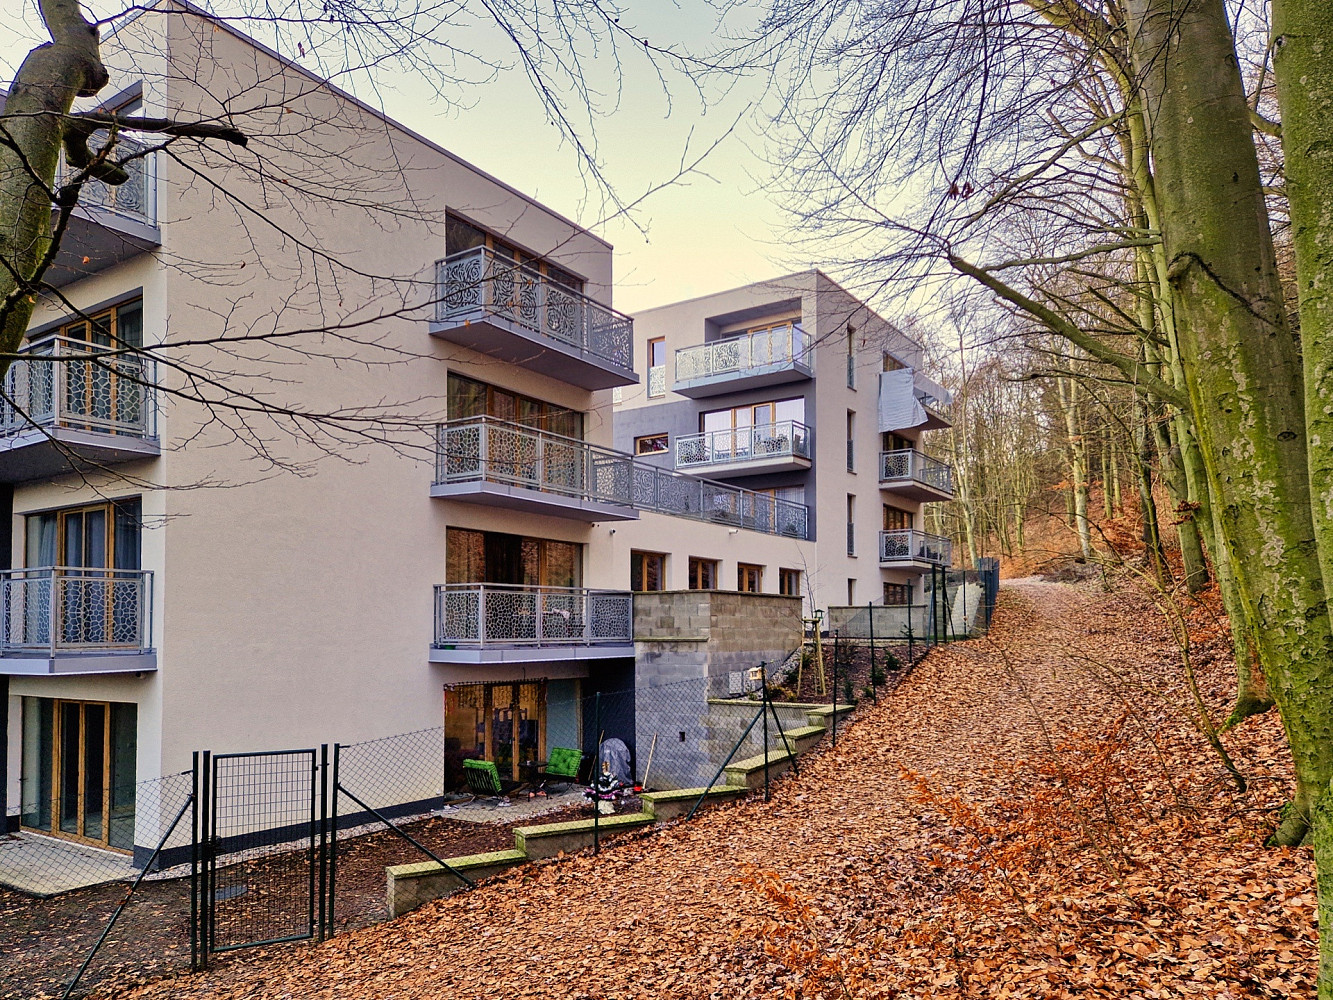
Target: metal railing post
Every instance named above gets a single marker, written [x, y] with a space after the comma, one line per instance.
[870, 624]
[763, 710]
[837, 655]
[481, 614]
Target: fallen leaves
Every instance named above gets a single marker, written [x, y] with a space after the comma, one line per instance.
[1062, 832]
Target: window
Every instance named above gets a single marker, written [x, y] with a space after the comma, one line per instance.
[851, 357]
[894, 442]
[647, 571]
[896, 520]
[467, 397]
[703, 574]
[657, 367]
[897, 593]
[789, 582]
[119, 326]
[851, 593]
[749, 578]
[103, 536]
[851, 524]
[742, 418]
[460, 235]
[650, 444]
[892, 364]
[495, 557]
[851, 440]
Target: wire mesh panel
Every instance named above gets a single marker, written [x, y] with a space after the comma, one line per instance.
[260, 800]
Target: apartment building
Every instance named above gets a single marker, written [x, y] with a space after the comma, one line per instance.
[224, 537]
[797, 390]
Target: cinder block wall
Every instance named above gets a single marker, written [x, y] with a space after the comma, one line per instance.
[688, 644]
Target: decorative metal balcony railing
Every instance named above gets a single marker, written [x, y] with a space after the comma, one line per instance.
[937, 409]
[480, 614]
[739, 355]
[483, 449]
[657, 381]
[59, 382]
[910, 465]
[783, 439]
[71, 609]
[136, 197]
[910, 545]
[479, 281]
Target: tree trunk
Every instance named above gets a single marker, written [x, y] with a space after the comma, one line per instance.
[1078, 463]
[1152, 539]
[1241, 362]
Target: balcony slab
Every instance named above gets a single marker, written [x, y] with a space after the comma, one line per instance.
[759, 377]
[97, 239]
[465, 664]
[911, 489]
[41, 453]
[501, 338]
[532, 501]
[34, 663]
[748, 467]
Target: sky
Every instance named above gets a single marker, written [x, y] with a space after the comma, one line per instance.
[713, 229]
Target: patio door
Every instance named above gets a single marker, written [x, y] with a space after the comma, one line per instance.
[504, 723]
[78, 770]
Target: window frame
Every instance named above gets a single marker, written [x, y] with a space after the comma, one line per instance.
[749, 573]
[664, 437]
[638, 566]
[789, 582]
[699, 567]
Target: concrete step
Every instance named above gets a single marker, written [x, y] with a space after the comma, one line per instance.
[749, 773]
[679, 801]
[412, 885]
[823, 715]
[549, 840]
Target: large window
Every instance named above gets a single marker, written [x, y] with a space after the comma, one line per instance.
[895, 519]
[495, 557]
[102, 536]
[851, 440]
[749, 578]
[851, 524]
[468, 397]
[897, 593]
[78, 764]
[789, 582]
[647, 571]
[756, 415]
[460, 235]
[703, 573]
[657, 367]
[119, 326]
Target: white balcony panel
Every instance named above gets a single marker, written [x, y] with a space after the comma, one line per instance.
[908, 400]
[515, 313]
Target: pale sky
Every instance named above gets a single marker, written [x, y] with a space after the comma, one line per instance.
[713, 230]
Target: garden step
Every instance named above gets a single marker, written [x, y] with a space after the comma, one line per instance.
[679, 801]
[550, 839]
[412, 885]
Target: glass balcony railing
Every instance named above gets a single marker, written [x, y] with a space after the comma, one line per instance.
[481, 284]
[483, 449]
[909, 545]
[762, 443]
[765, 350]
[492, 614]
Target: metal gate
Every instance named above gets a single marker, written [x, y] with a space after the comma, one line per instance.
[260, 849]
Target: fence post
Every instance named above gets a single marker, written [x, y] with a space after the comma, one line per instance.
[910, 657]
[323, 837]
[596, 771]
[330, 912]
[870, 623]
[194, 862]
[205, 857]
[837, 654]
[763, 710]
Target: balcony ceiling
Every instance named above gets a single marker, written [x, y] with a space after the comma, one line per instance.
[505, 340]
[911, 489]
[97, 239]
[56, 451]
[493, 494]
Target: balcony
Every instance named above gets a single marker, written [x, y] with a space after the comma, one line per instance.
[492, 462]
[908, 399]
[908, 547]
[513, 312]
[111, 224]
[482, 623]
[73, 406]
[914, 476]
[488, 461]
[71, 620]
[751, 361]
[784, 446]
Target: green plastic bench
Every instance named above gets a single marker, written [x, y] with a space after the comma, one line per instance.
[483, 778]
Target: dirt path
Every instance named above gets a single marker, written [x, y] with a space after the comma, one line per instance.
[668, 915]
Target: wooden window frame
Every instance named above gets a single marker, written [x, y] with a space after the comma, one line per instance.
[700, 566]
[641, 558]
[789, 582]
[500, 245]
[747, 573]
[642, 439]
